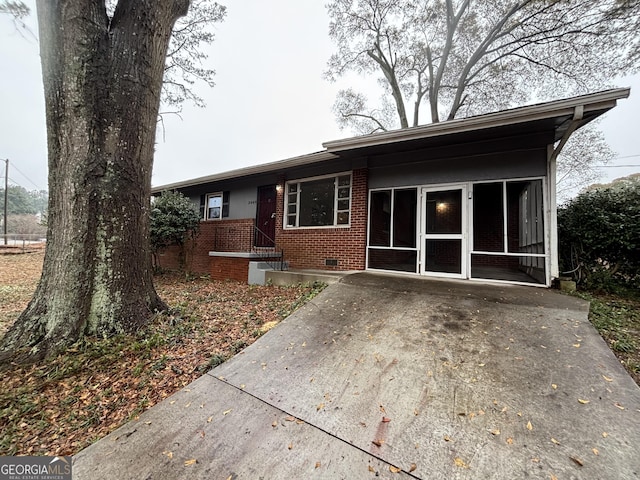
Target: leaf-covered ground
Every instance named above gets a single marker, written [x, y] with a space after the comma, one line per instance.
[617, 318]
[62, 406]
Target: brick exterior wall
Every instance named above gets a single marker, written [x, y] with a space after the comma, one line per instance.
[309, 247]
[214, 235]
[225, 268]
[303, 248]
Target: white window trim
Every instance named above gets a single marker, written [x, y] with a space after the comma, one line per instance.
[206, 205]
[297, 182]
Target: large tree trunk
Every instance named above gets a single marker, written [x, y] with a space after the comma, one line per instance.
[102, 80]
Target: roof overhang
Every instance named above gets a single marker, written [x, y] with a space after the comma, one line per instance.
[556, 117]
[557, 114]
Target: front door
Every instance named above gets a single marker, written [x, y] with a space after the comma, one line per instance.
[266, 216]
[443, 251]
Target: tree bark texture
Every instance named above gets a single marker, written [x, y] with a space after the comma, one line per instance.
[102, 81]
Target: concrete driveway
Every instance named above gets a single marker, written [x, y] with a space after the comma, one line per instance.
[393, 377]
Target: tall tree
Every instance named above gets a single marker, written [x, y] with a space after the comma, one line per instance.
[461, 57]
[17, 9]
[186, 56]
[102, 76]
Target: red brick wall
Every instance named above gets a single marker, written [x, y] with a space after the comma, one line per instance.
[225, 268]
[303, 248]
[309, 247]
[169, 258]
[214, 235]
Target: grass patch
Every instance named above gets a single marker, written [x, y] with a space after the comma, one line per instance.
[617, 319]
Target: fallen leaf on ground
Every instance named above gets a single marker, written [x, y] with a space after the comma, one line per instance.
[553, 440]
[619, 406]
[447, 438]
[605, 434]
[168, 453]
[595, 451]
[577, 461]
[378, 443]
[227, 412]
[582, 401]
[126, 375]
[274, 424]
[371, 469]
[393, 469]
[495, 431]
[320, 407]
[529, 426]
[190, 462]
[317, 464]
[554, 386]
[382, 409]
[290, 446]
[607, 378]
[413, 467]
[460, 463]
[510, 441]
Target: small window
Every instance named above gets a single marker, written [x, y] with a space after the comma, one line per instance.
[318, 202]
[216, 206]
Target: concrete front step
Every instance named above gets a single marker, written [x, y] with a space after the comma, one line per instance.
[258, 271]
[292, 277]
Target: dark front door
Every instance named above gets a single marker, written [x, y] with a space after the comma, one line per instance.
[266, 216]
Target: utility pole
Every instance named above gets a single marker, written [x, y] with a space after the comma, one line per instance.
[6, 196]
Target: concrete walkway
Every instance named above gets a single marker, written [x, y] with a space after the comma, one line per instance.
[396, 377]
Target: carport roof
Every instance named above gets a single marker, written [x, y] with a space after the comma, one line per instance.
[555, 116]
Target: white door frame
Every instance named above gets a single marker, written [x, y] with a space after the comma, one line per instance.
[464, 229]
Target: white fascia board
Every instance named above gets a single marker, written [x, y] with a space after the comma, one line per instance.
[593, 102]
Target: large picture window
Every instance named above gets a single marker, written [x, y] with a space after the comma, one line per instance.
[318, 202]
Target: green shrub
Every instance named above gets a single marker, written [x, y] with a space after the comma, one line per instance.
[173, 220]
[599, 236]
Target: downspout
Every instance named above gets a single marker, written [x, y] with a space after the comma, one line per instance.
[578, 115]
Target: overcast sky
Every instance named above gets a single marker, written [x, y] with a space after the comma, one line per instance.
[269, 103]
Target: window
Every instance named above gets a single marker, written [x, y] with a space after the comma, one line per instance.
[393, 230]
[214, 206]
[318, 202]
[508, 231]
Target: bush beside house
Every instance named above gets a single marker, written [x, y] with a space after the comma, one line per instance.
[174, 221]
[599, 235]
